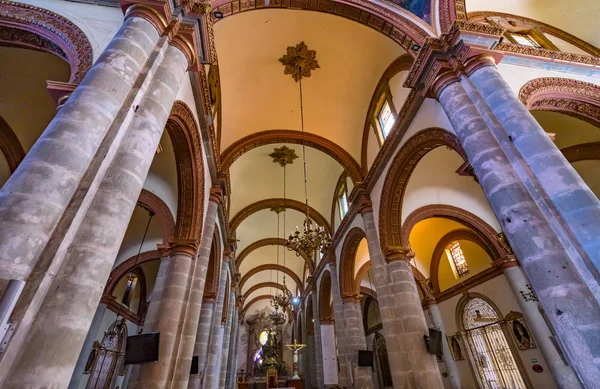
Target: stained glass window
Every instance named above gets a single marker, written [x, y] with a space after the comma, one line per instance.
[344, 202]
[459, 259]
[524, 39]
[386, 119]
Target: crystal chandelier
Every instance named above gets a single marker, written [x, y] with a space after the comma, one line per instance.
[313, 237]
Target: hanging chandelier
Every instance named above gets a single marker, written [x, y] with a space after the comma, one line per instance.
[299, 62]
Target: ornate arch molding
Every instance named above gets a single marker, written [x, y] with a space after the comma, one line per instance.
[404, 62]
[324, 298]
[262, 138]
[270, 242]
[30, 27]
[213, 272]
[276, 202]
[128, 265]
[571, 97]
[452, 236]
[348, 284]
[393, 22]
[9, 142]
[480, 17]
[485, 234]
[152, 202]
[396, 180]
[187, 146]
[272, 266]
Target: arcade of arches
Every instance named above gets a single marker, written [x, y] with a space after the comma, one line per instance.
[156, 155]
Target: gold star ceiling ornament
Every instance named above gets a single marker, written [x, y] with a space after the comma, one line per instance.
[299, 61]
[283, 155]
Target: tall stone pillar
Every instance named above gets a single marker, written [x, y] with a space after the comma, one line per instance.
[577, 205]
[318, 349]
[517, 200]
[195, 294]
[44, 359]
[233, 345]
[168, 320]
[202, 339]
[227, 340]
[401, 313]
[438, 323]
[38, 193]
[340, 327]
[215, 348]
[563, 375]
[355, 340]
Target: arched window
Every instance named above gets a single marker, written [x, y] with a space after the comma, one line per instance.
[492, 356]
[385, 118]
[458, 262]
[343, 199]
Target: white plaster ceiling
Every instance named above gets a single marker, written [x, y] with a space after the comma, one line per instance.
[268, 255]
[257, 96]
[255, 177]
[268, 276]
[578, 17]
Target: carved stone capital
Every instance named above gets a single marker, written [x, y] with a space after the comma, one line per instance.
[351, 298]
[327, 321]
[183, 246]
[446, 59]
[185, 36]
[60, 91]
[365, 205]
[398, 253]
[209, 297]
[506, 262]
[156, 12]
[216, 194]
[164, 250]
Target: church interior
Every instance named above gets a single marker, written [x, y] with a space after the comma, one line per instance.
[359, 194]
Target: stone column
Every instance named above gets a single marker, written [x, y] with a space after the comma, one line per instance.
[438, 323]
[401, 314]
[340, 327]
[355, 340]
[577, 205]
[212, 373]
[38, 193]
[227, 340]
[318, 344]
[195, 294]
[202, 338]
[563, 375]
[232, 358]
[44, 359]
[168, 320]
[572, 308]
[87, 346]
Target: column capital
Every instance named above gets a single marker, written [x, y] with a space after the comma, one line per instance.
[216, 194]
[209, 297]
[365, 204]
[156, 12]
[446, 59]
[507, 262]
[398, 253]
[60, 91]
[351, 298]
[185, 36]
[327, 321]
[183, 246]
[164, 250]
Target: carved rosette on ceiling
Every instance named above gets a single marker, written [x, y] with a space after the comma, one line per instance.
[299, 61]
[283, 155]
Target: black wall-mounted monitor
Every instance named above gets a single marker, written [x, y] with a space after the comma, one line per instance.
[194, 369]
[365, 358]
[435, 342]
[142, 348]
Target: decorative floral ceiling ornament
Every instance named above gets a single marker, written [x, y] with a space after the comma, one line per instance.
[299, 61]
[283, 155]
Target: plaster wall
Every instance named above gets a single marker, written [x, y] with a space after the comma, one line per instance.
[399, 93]
[500, 293]
[517, 76]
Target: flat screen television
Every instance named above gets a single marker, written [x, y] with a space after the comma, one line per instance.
[142, 348]
[365, 358]
[194, 369]
[435, 342]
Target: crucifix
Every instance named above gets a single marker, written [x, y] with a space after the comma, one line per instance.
[295, 347]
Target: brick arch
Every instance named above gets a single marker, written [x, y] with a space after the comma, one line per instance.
[213, 271]
[270, 242]
[394, 22]
[404, 62]
[250, 142]
[10, 145]
[396, 181]
[324, 297]
[452, 236]
[571, 97]
[348, 284]
[277, 202]
[272, 266]
[187, 147]
[152, 202]
[29, 27]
